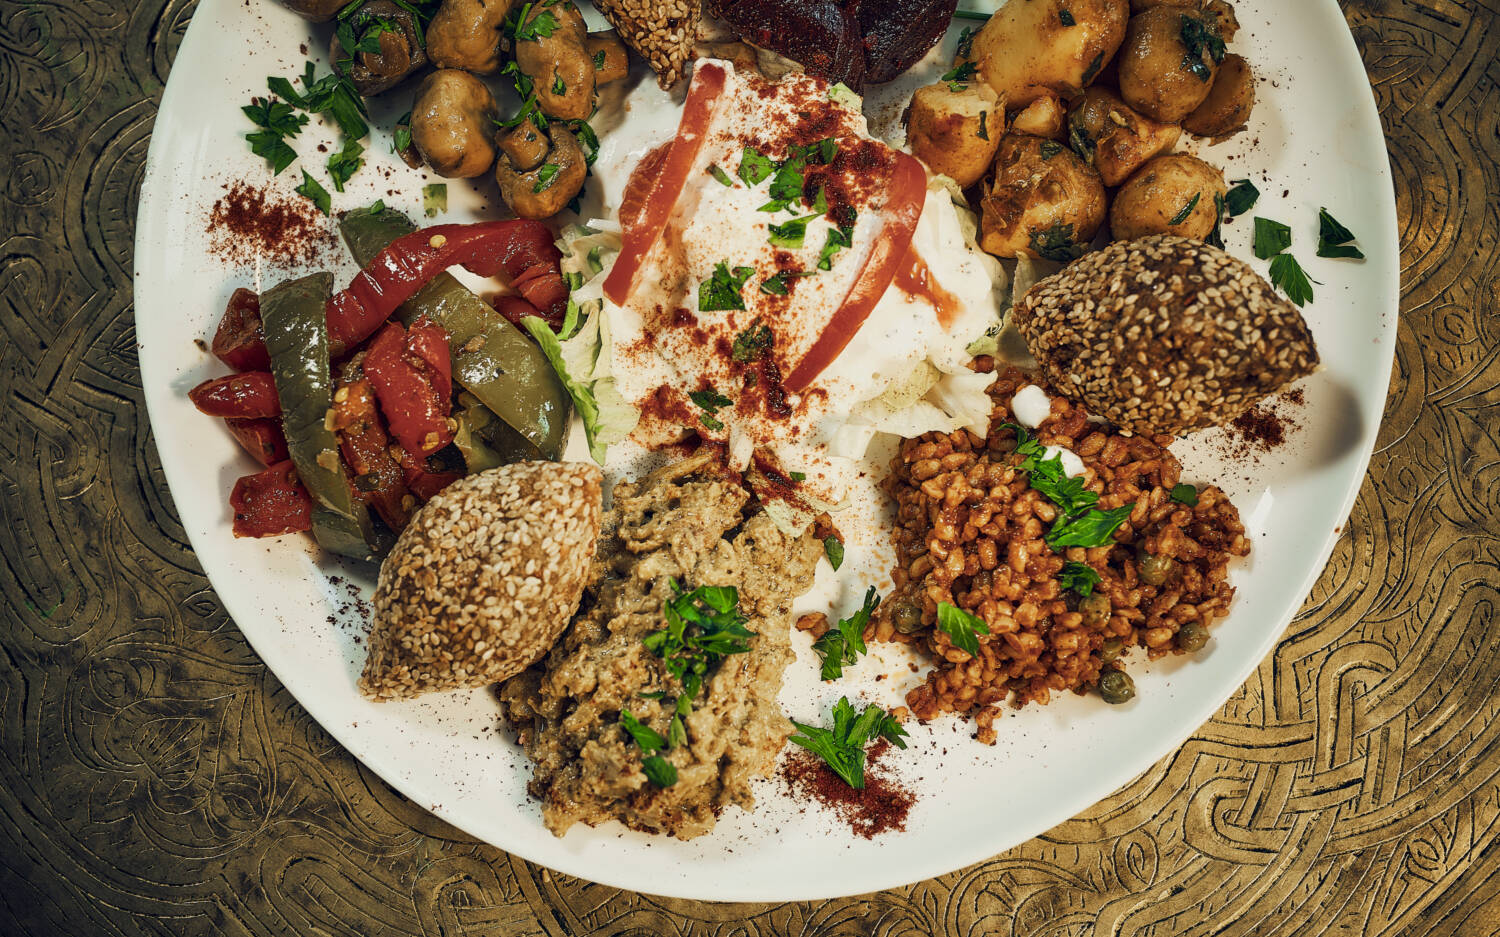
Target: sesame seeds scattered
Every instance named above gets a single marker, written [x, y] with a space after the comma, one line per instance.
[1164, 334]
[662, 31]
[483, 580]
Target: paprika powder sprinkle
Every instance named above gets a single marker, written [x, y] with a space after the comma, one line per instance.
[880, 807]
[250, 223]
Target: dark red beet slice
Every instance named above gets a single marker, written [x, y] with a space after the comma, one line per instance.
[822, 35]
[898, 33]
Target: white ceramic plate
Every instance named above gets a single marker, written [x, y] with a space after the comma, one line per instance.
[1315, 140]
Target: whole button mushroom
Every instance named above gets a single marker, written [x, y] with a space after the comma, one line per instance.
[452, 121]
[554, 54]
[540, 188]
[468, 34]
[318, 11]
[399, 38]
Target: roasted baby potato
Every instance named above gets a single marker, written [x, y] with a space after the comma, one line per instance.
[1168, 61]
[1174, 194]
[1112, 138]
[1044, 117]
[955, 129]
[1035, 46]
[1043, 201]
[452, 123]
[1226, 110]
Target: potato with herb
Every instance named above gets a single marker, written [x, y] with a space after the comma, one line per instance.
[1113, 138]
[1168, 61]
[1043, 201]
[1174, 194]
[1044, 117]
[1226, 110]
[1030, 48]
[955, 128]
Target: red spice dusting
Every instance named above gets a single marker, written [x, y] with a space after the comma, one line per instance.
[249, 223]
[1259, 429]
[882, 806]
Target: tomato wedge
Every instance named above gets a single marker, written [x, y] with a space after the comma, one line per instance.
[908, 192]
[271, 503]
[667, 183]
[247, 395]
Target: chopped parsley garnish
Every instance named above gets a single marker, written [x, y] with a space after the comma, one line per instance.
[599, 61]
[658, 770]
[965, 42]
[1049, 149]
[646, 737]
[345, 163]
[1241, 197]
[401, 135]
[1271, 238]
[541, 26]
[1080, 142]
[790, 233]
[278, 122]
[1056, 243]
[1334, 238]
[840, 646]
[1288, 276]
[710, 400]
[334, 96]
[1216, 236]
[723, 177]
[843, 746]
[1096, 63]
[956, 76]
[1068, 493]
[434, 199]
[587, 139]
[833, 548]
[1079, 578]
[1187, 209]
[1200, 36]
[786, 187]
[1090, 529]
[1065, 17]
[755, 168]
[751, 344]
[558, 86]
[1185, 494]
[961, 627]
[312, 189]
[704, 626]
[1079, 522]
[797, 476]
[545, 177]
[722, 290]
[983, 132]
[838, 239]
[780, 284]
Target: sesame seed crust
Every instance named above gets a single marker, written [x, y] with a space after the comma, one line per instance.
[1164, 335]
[483, 579]
[661, 31]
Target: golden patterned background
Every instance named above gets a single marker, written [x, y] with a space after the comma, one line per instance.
[155, 779]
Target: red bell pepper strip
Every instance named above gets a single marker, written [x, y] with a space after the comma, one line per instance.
[411, 376]
[239, 341]
[667, 183]
[247, 396]
[378, 479]
[522, 250]
[908, 193]
[271, 503]
[422, 483]
[514, 309]
[261, 438]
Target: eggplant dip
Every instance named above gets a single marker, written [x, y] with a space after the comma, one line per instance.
[658, 707]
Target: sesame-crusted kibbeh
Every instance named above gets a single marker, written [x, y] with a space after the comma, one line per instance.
[483, 580]
[1164, 335]
[661, 31]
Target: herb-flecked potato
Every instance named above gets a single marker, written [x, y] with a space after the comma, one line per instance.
[1033, 46]
[955, 129]
[1174, 194]
[1167, 63]
[1044, 117]
[1226, 110]
[1113, 138]
[1043, 201]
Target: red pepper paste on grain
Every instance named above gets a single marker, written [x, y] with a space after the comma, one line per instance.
[882, 806]
[250, 222]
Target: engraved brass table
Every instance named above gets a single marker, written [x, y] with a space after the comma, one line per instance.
[155, 779]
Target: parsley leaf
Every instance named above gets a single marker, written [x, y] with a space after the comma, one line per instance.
[1216, 236]
[961, 627]
[1049, 149]
[790, 233]
[1187, 209]
[1289, 277]
[843, 746]
[840, 647]
[1091, 529]
[1185, 494]
[710, 399]
[541, 26]
[646, 737]
[755, 168]
[275, 116]
[311, 188]
[1200, 36]
[722, 290]
[1271, 238]
[1334, 238]
[1069, 494]
[1065, 16]
[838, 239]
[545, 177]
[833, 548]
[786, 186]
[345, 163]
[704, 626]
[1241, 197]
[1078, 577]
[1056, 243]
[723, 177]
[778, 285]
[334, 96]
[434, 199]
[268, 143]
[751, 344]
[959, 74]
[965, 42]
[659, 771]
[401, 135]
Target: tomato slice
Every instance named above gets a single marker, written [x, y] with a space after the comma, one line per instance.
[667, 183]
[908, 190]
